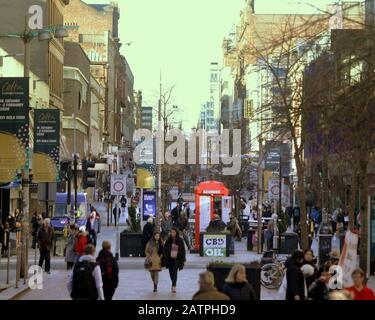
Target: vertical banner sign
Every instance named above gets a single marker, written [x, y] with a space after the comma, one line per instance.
[226, 206]
[273, 189]
[14, 127]
[204, 212]
[46, 156]
[149, 204]
[348, 259]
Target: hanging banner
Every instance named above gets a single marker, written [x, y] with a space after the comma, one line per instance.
[349, 260]
[14, 127]
[149, 204]
[204, 212]
[226, 208]
[273, 189]
[46, 155]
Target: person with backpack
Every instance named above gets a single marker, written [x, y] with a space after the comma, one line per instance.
[123, 202]
[154, 252]
[110, 270]
[85, 282]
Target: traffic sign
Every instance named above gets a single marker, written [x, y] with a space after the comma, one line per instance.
[118, 185]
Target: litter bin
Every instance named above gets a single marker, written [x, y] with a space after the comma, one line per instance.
[289, 242]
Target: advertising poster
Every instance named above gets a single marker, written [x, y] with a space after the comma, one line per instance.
[204, 212]
[214, 245]
[226, 206]
[46, 156]
[149, 204]
[14, 127]
[273, 189]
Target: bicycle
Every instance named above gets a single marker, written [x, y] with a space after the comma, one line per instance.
[272, 274]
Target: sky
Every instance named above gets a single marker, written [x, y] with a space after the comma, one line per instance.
[180, 38]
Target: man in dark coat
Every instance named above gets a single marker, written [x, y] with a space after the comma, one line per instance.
[148, 232]
[216, 224]
[295, 289]
[45, 237]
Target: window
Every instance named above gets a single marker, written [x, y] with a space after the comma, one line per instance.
[352, 68]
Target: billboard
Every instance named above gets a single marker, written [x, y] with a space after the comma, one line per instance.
[215, 245]
[46, 156]
[14, 127]
[149, 204]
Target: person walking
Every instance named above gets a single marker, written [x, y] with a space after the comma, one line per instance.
[154, 252]
[309, 259]
[174, 256]
[295, 288]
[85, 282]
[81, 242]
[123, 202]
[46, 237]
[319, 290]
[234, 228]
[359, 290]
[182, 223]
[148, 231]
[110, 270]
[5, 240]
[269, 232]
[236, 286]
[91, 227]
[166, 225]
[36, 222]
[70, 253]
[207, 289]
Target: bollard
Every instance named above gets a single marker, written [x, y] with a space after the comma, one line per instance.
[8, 262]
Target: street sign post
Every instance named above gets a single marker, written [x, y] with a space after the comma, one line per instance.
[118, 185]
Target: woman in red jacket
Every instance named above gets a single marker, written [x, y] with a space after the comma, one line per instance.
[81, 242]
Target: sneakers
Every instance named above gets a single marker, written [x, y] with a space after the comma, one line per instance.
[155, 288]
[174, 290]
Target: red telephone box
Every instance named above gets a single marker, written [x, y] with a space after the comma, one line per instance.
[205, 193]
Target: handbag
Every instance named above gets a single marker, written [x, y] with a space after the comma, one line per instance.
[148, 262]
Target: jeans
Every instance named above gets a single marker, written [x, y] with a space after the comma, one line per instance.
[45, 256]
[173, 270]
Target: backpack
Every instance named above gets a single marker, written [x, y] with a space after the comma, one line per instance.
[84, 287]
[106, 266]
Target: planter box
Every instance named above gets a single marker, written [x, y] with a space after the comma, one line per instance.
[221, 272]
[131, 244]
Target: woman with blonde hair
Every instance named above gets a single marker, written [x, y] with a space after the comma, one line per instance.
[237, 287]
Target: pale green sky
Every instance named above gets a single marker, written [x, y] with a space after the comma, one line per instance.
[182, 37]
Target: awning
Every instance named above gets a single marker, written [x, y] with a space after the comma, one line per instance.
[12, 185]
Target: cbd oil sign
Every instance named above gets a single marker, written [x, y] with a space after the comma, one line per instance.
[214, 245]
[46, 145]
[14, 126]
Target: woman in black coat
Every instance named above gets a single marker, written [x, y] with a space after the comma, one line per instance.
[237, 287]
[174, 256]
[295, 288]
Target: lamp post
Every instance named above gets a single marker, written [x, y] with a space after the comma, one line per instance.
[27, 36]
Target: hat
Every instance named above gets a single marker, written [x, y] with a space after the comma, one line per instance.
[82, 229]
[307, 270]
[334, 255]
